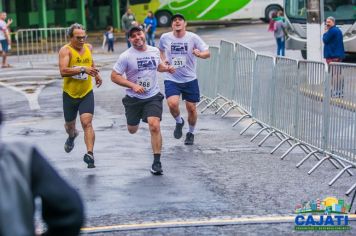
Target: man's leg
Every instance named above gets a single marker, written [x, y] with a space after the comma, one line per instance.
[132, 128]
[89, 138]
[70, 110]
[192, 120]
[192, 113]
[173, 104]
[156, 143]
[70, 128]
[89, 135]
[4, 56]
[156, 137]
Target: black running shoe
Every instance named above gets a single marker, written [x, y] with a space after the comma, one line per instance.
[89, 159]
[156, 168]
[189, 139]
[178, 130]
[69, 144]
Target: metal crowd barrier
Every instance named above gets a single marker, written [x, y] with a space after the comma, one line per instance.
[208, 75]
[39, 44]
[300, 103]
[263, 95]
[244, 68]
[225, 79]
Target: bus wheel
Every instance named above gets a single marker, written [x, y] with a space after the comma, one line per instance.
[269, 11]
[304, 54]
[163, 18]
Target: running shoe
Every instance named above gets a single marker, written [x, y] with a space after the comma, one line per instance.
[89, 159]
[69, 144]
[156, 168]
[189, 139]
[178, 130]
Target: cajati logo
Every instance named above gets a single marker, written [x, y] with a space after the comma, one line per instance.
[327, 214]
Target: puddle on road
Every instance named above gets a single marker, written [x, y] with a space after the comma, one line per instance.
[34, 132]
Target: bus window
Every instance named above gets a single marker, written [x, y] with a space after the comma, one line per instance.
[133, 2]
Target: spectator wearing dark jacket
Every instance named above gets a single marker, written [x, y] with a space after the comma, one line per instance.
[333, 42]
[25, 175]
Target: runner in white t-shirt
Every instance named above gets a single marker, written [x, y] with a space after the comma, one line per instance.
[143, 99]
[180, 49]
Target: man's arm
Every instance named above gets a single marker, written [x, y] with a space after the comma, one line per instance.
[163, 67]
[120, 80]
[9, 22]
[204, 54]
[98, 80]
[163, 56]
[62, 208]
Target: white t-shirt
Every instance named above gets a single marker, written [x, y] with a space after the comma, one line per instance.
[140, 67]
[3, 28]
[179, 53]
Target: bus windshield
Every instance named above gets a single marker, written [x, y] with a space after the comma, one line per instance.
[343, 10]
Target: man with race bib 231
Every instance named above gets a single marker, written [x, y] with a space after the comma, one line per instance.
[180, 48]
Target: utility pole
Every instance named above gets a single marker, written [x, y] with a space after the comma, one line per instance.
[315, 29]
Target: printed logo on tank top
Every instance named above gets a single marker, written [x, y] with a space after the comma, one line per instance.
[79, 60]
[179, 48]
[146, 63]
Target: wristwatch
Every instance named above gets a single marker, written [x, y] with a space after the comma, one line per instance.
[82, 70]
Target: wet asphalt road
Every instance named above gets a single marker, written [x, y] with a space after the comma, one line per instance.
[222, 176]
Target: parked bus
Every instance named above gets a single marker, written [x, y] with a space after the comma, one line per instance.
[344, 12]
[205, 10]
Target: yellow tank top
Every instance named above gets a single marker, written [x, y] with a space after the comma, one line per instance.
[79, 85]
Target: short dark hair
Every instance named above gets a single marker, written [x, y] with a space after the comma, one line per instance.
[73, 27]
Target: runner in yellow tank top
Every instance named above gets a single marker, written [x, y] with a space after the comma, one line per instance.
[77, 86]
[77, 69]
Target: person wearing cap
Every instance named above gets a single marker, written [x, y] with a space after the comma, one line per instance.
[143, 100]
[25, 174]
[181, 48]
[77, 68]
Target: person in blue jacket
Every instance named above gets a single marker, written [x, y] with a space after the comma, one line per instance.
[150, 28]
[333, 42]
[334, 52]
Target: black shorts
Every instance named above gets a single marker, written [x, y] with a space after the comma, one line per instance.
[71, 106]
[137, 109]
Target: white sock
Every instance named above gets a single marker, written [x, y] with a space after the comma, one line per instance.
[191, 129]
[179, 119]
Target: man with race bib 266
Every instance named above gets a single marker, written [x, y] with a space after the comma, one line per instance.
[77, 68]
[180, 48]
[143, 99]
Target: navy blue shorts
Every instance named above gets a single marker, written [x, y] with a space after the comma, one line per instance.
[190, 90]
[4, 45]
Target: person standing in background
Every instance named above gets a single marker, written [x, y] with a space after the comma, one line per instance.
[5, 38]
[334, 52]
[278, 26]
[150, 28]
[109, 34]
[127, 21]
